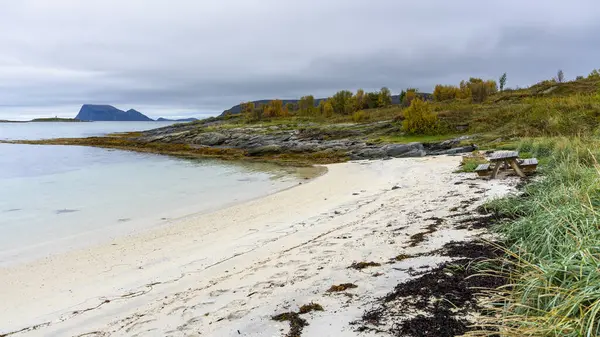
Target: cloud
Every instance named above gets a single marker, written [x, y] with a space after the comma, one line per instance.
[183, 56]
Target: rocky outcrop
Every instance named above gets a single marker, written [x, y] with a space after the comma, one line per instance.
[91, 112]
[259, 141]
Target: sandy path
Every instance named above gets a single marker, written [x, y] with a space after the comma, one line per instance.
[226, 273]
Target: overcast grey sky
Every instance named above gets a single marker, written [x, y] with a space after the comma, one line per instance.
[180, 57]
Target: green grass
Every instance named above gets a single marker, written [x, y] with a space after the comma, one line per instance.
[553, 246]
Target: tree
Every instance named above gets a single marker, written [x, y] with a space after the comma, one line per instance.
[371, 100]
[594, 74]
[409, 96]
[465, 91]
[445, 92]
[274, 109]
[419, 119]
[341, 102]
[401, 96]
[359, 100]
[250, 112]
[560, 76]
[327, 109]
[385, 97]
[290, 107]
[321, 107]
[502, 82]
[306, 105]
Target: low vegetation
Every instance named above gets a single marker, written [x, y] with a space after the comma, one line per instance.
[553, 246]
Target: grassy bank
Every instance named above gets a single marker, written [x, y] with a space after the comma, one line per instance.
[553, 242]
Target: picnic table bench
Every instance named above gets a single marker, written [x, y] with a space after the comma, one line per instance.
[506, 159]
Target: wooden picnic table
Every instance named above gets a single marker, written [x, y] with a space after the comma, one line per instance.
[508, 158]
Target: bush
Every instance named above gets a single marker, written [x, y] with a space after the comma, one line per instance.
[419, 118]
[360, 116]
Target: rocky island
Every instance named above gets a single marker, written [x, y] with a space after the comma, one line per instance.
[91, 112]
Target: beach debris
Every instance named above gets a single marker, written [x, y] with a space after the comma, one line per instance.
[312, 306]
[363, 265]
[297, 323]
[341, 287]
[65, 211]
[402, 257]
[416, 239]
[395, 187]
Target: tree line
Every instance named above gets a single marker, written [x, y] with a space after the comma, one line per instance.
[343, 102]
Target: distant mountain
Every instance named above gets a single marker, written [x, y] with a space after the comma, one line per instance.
[161, 119]
[238, 108]
[91, 112]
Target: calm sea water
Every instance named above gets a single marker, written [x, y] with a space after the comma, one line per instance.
[56, 198]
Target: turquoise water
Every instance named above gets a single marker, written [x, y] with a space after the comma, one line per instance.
[56, 198]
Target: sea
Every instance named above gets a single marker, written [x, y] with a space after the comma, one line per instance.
[59, 198]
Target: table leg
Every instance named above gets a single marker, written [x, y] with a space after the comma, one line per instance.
[496, 169]
[513, 163]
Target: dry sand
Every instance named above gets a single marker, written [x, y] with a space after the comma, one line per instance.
[226, 273]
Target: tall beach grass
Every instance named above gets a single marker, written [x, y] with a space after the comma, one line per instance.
[553, 247]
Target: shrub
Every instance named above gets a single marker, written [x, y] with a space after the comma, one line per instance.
[419, 118]
[360, 116]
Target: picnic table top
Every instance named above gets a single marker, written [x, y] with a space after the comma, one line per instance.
[504, 155]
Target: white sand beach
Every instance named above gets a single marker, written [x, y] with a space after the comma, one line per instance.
[227, 272]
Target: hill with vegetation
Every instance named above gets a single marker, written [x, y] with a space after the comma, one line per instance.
[293, 104]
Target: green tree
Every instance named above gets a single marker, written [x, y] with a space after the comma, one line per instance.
[359, 100]
[327, 109]
[371, 100]
[306, 105]
[594, 74]
[250, 112]
[560, 76]
[502, 82]
[321, 107]
[290, 107]
[385, 97]
[419, 118]
[341, 102]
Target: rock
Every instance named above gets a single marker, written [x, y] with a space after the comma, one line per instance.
[368, 153]
[263, 150]
[210, 138]
[447, 144]
[404, 150]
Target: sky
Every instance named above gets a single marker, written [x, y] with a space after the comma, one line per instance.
[180, 58]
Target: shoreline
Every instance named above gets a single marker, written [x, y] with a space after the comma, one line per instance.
[98, 222]
[242, 264]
